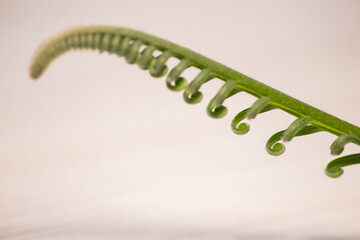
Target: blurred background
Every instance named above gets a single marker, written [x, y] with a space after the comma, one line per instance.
[98, 149]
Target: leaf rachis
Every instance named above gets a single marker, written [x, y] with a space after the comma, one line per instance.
[127, 42]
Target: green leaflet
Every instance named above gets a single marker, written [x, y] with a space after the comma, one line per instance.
[127, 42]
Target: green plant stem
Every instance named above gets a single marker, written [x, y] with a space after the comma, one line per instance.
[127, 42]
[280, 100]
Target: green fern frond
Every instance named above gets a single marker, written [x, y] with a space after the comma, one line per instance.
[127, 42]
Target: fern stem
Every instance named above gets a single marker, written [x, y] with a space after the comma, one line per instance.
[280, 100]
[127, 42]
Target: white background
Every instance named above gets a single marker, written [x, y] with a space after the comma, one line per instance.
[97, 149]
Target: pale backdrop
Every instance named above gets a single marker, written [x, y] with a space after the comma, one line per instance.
[97, 149]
